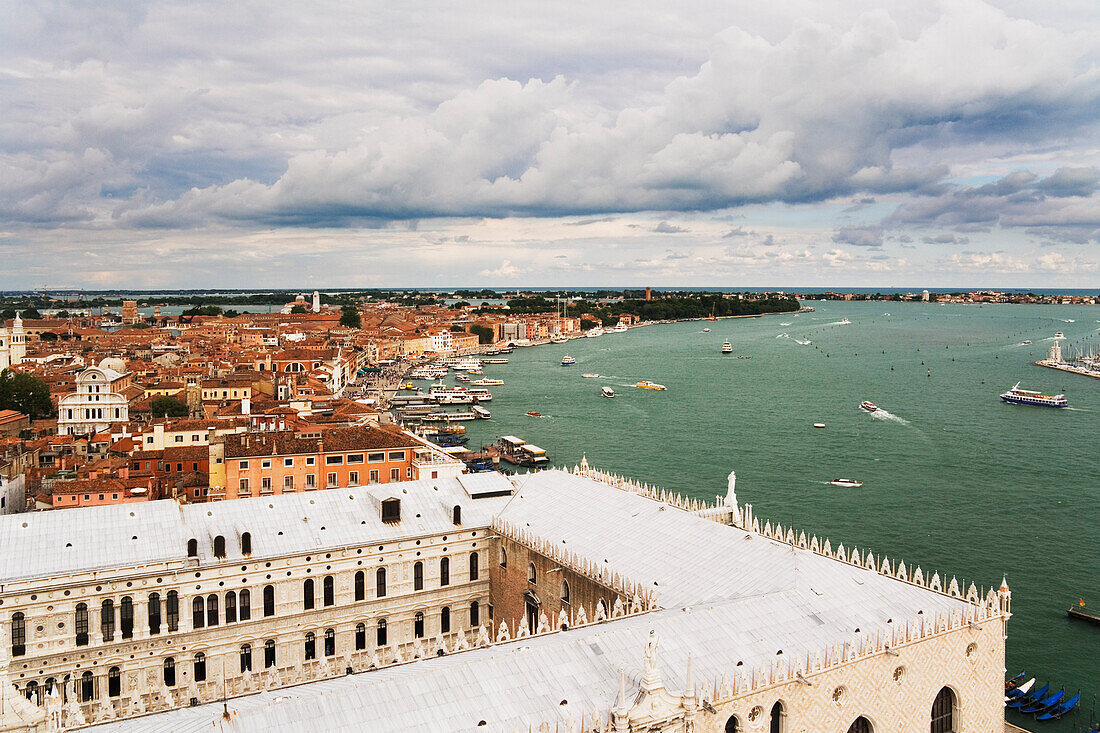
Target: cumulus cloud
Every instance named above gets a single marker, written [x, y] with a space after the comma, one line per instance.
[506, 271]
[665, 228]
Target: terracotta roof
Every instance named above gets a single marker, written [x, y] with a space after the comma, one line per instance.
[334, 440]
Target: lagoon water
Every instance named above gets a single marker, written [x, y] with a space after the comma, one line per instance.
[954, 479]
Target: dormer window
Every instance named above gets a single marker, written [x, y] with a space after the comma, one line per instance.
[246, 543]
[192, 548]
[219, 546]
[456, 515]
[391, 510]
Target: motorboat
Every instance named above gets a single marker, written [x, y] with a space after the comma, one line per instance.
[727, 347]
[607, 392]
[646, 384]
[532, 413]
[487, 382]
[594, 332]
[868, 406]
[1017, 396]
[1059, 335]
[590, 375]
[819, 424]
[1027, 342]
[462, 378]
[845, 320]
[619, 328]
[849, 483]
[706, 330]
[568, 360]
[559, 340]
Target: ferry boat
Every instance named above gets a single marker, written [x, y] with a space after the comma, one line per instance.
[646, 384]
[590, 375]
[487, 382]
[727, 347]
[619, 328]
[494, 360]
[480, 412]
[568, 360]
[607, 392]
[1019, 396]
[432, 373]
[868, 406]
[850, 483]
[465, 364]
[445, 417]
[480, 394]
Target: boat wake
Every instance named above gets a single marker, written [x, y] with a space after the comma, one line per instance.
[1068, 320]
[786, 324]
[845, 322]
[803, 342]
[881, 414]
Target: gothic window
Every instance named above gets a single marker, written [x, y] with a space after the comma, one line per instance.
[860, 725]
[200, 667]
[445, 620]
[192, 548]
[219, 547]
[445, 571]
[244, 605]
[246, 544]
[330, 642]
[503, 558]
[107, 620]
[380, 637]
[172, 610]
[198, 613]
[380, 582]
[360, 637]
[360, 586]
[732, 726]
[775, 718]
[329, 590]
[230, 607]
[269, 653]
[269, 600]
[154, 613]
[473, 566]
[126, 617]
[212, 610]
[531, 577]
[475, 614]
[308, 599]
[246, 658]
[311, 646]
[418, 625]
[418, 575]
[18, 634]
[87, 687]
[943, 711]
[565, 591]
[170, 672]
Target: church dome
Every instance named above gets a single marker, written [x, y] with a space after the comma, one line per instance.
[113, 363]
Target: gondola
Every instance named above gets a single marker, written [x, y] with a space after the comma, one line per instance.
[1014, 682]
[1060, 710]
[1044, 705]
[1016, 692]
[1030, 698]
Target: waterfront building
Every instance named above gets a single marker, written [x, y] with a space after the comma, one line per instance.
[551, 601]
[96, 404]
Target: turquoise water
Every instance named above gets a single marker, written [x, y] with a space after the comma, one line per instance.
[954, 479]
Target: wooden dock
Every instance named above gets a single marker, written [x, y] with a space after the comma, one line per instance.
[1083, 615]
[1010, 728]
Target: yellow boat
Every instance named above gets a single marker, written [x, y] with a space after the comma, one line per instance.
[646, 384]
[409, 385]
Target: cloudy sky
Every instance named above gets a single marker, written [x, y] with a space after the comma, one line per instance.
[272, 144]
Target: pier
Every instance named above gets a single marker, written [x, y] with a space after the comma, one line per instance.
[1083, 615]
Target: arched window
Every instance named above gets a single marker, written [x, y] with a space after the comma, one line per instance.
[308, 599]
[246, 658]
[531, 577]
[860, 725]
[31, 691]
[80, 624]
[198, 613]
[246, 543]
[475, 614]
[328, 586]
[230, 607]
[943, 711]
[114, 682]
[200, 667]
[330, 642]
[775, 718]
[456, 514]
[380, 635]
[107, 619]
[126, 617]
[380, 583]
[732, 725]
[172, 610]
[473, 566]
[445, 571]
[565, 591]
[418, 575]
[170, 672]
[219, 547]
[212, 610]
[503, 558]
[87, 687]
[418, 625]
[360, 586]
[269, 600]
[445, 620]
[18, 634]
[269, 653]
[360, 637]
[244, 604]
[154, 613]
[192, 548]
[311, 646]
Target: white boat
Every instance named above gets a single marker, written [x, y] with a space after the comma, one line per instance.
[607, 391]
[819, 424]
[559, 340]
[480, 412]
[1019, 396]
[727, 347]
[1059, 335]
[646, 384]
[461, 378]
[594, 332]
[850, 483]
[845, 320]
[568, 360]
[1027, 341]
[480, 394]
[487, 382]
[495, 360]
[620, 328]
[706, 330]
[465, 365]
[868, 406]
[590, 375]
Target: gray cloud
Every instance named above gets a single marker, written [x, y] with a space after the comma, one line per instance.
[866, 236]
[665, 228]
[945, 239]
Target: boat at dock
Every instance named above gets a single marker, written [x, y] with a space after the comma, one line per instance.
[646, 384]
[449, 416]
[594, 332]
[487, 382]
[868, 406]
[848, 483]
[1017, 396]
[494, 360]
[727, 347]
[568, 360]
[559, 340]
[462, 378]
[619, 328]
[480, 412]
[519, 452]
[607, 392]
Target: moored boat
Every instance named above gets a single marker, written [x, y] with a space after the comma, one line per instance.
[607, 392]
[487, 382]
[619, 328]
[868, 406]
[480, 412]
[1017, 396]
